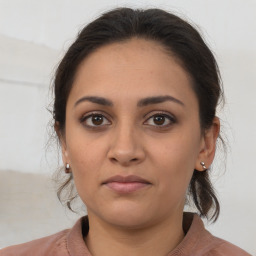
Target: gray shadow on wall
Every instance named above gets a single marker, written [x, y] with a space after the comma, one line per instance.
[29, 208]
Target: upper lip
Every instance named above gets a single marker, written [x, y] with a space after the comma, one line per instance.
[125, 179]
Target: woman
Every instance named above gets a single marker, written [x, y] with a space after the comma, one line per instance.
[134, 111]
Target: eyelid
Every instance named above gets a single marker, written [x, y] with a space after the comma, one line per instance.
[96, 112]
[171, 117]
[90, 114]
[168, 115]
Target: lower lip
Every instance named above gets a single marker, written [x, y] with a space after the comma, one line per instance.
[126, 187]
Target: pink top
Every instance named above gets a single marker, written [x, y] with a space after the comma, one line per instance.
[197, 242]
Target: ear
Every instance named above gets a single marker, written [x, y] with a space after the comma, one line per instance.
[208, 146]
[61, 135]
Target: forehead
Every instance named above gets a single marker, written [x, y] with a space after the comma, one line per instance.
[130, 54]
[133, 68]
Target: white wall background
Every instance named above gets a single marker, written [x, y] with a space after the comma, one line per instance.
[34, 35]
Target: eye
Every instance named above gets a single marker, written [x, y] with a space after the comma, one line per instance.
[161, 120]
[94, 120]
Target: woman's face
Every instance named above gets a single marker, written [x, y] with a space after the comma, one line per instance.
[132, 112]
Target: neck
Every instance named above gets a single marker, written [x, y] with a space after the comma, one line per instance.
[159, 239]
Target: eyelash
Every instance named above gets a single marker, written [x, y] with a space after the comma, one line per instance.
[86, 117]
[171, 119]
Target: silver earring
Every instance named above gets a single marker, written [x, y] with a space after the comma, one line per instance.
[67, 169]
[203, 165]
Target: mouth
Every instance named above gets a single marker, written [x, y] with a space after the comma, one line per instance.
[126, 184]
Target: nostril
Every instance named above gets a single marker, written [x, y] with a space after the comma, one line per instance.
[114, 159]
[125, 162]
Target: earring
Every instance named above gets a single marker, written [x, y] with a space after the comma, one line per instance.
[67, 169]
[203, 165]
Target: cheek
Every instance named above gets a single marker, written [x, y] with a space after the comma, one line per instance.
[82, 149]
[176, 158]
[86, 158]
[85, 165]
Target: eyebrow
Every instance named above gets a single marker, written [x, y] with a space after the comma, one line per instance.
[141, 103]
[95, 99]
[158, 99]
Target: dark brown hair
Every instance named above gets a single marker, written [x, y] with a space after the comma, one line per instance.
[181, 40]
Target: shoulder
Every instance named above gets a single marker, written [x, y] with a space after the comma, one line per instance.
[65, 243]
[53, 245]
[200, 242]
[225, 248]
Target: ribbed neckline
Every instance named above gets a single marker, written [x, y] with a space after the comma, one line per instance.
[75, 238]
[192, 226]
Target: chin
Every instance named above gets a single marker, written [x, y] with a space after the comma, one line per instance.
[129, 222]
[126, 218]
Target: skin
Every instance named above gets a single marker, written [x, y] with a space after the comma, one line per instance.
[128, 141]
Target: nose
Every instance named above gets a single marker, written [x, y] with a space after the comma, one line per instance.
[126, 147]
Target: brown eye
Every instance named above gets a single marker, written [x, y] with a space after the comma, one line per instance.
[94, 120]
[159, 120]
[97, 119]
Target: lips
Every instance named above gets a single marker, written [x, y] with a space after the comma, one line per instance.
[126, 184]
[126, 179]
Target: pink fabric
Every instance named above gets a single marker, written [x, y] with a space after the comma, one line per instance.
[197, 242]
